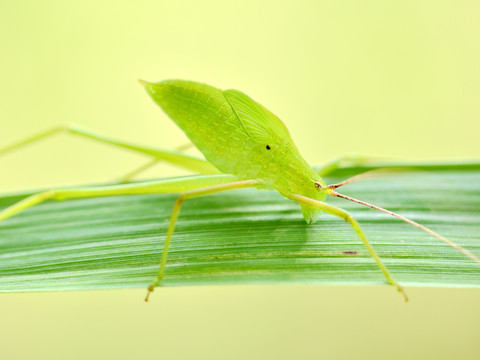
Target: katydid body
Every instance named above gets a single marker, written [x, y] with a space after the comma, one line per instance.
[245, 145]
[239, 136]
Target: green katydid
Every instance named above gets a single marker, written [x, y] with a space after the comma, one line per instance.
[244, 144]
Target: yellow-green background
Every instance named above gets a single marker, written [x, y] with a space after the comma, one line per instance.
[392, 78]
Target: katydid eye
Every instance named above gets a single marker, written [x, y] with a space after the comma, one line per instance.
[268, 147]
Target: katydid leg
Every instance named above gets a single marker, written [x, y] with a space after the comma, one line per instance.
[174, 157]
[151, 187]
[333, 210]
[176, 210]
[403, 218]
[130, 175]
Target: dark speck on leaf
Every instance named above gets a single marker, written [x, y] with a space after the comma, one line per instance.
[350, 252]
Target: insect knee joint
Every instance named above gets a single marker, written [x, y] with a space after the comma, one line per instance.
[181, 198]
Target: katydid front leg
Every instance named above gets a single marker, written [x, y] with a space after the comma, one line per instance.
[333, 210]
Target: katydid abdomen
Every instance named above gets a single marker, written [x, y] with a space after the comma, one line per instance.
[208, 120]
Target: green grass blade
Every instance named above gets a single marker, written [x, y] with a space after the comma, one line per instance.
[248, 236]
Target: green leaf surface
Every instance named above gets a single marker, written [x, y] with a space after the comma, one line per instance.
[249, 236]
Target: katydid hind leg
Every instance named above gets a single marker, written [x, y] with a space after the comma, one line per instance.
[175, 157]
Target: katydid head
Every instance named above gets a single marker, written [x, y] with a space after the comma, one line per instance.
[313, 189]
